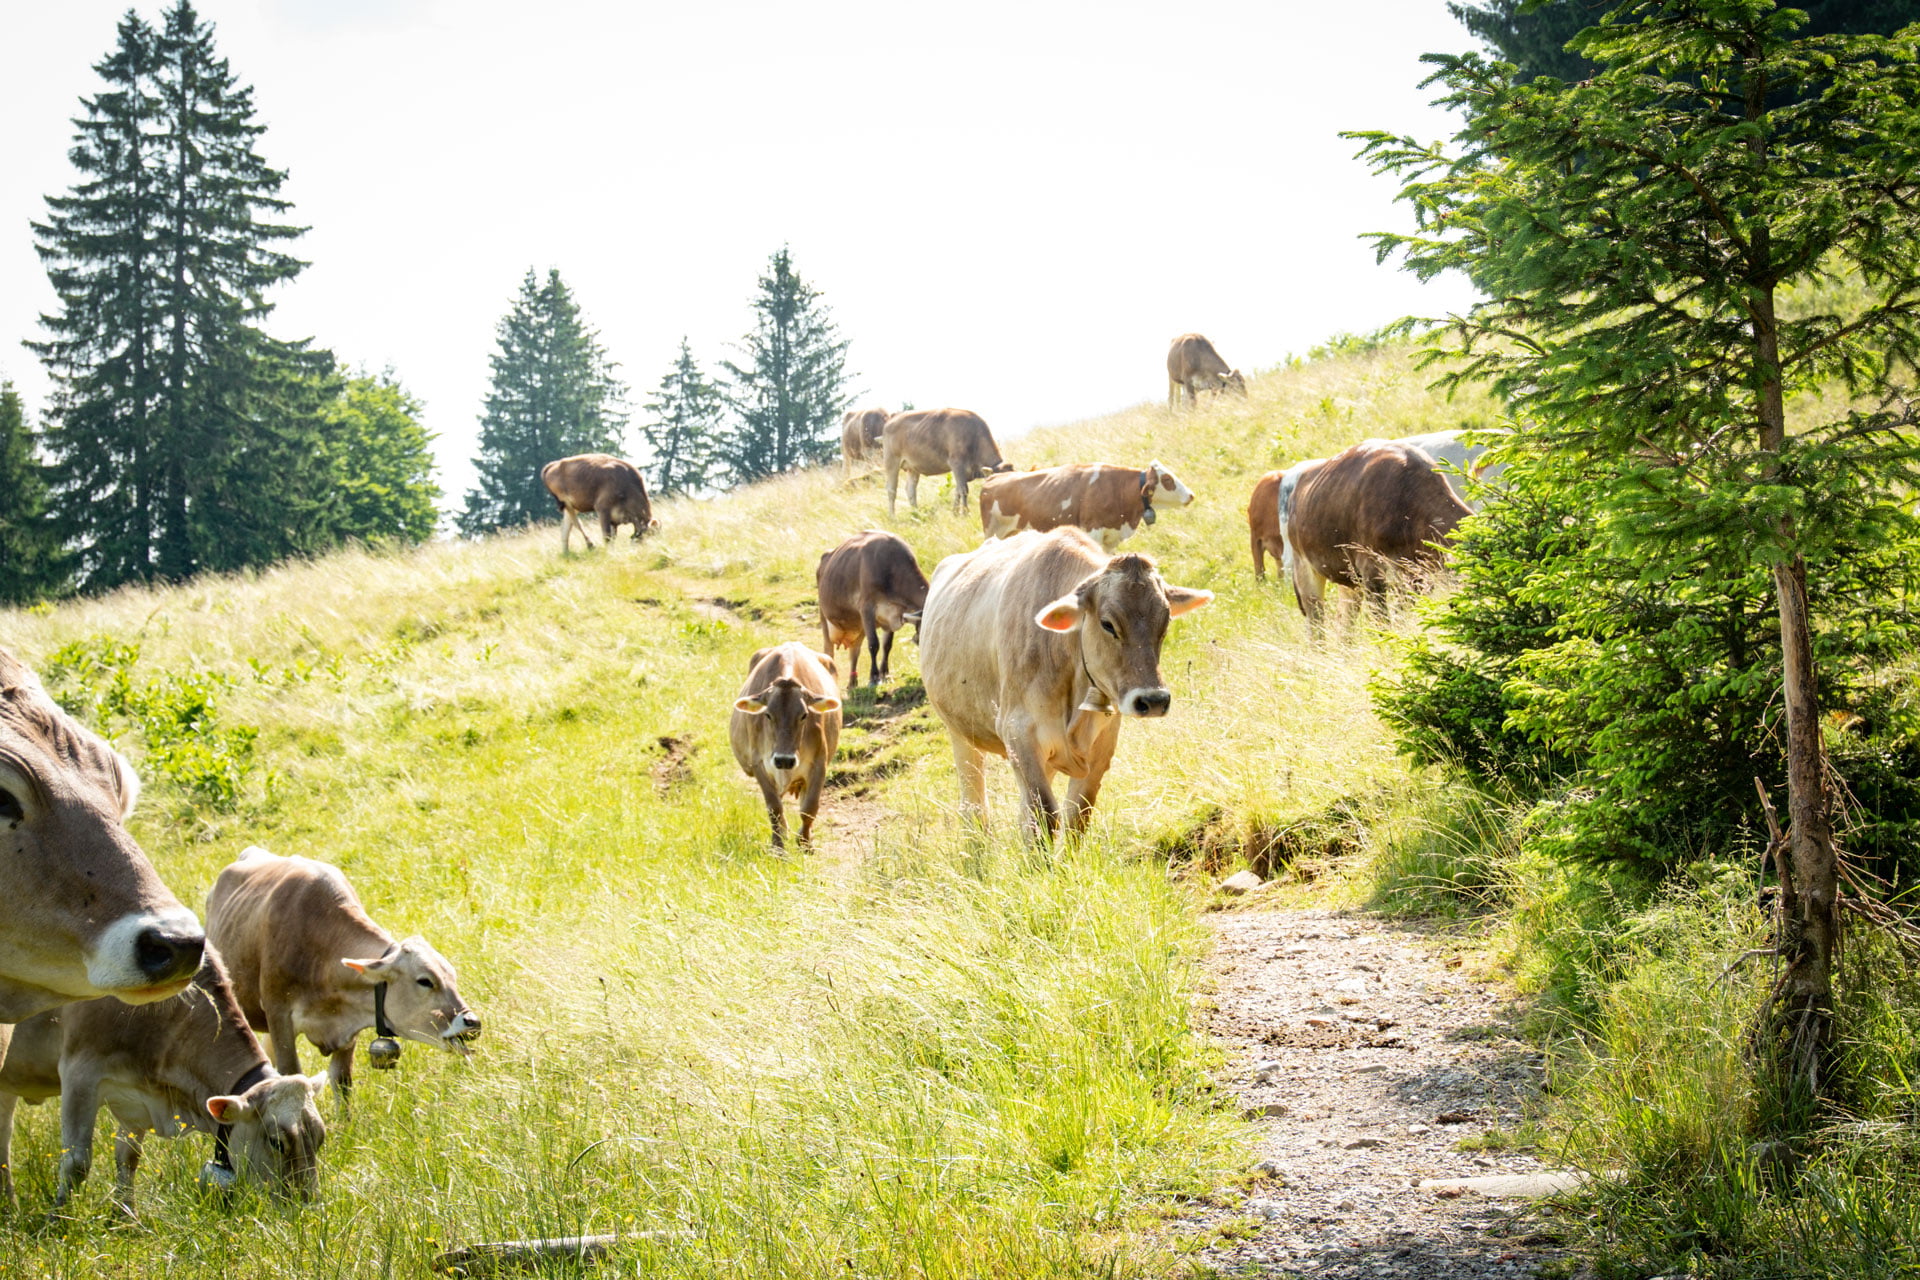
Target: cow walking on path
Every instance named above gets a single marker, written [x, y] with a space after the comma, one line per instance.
[1194, 366]
[868, 586]
[934, 442]
[785, 727]
[1109, 502]
[1034, 647]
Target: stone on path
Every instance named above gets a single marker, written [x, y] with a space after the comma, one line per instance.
[1241, 882]
[1522, 1186]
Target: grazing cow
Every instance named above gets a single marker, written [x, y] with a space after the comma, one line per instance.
[1457, 458]
[189, 1063]
[859, 436]
[1108, 502]
[1033, 647]
[1263, 523]
[82, 913]
[786, 724]
[1364, 513]
[307, 961]
[867, 585]
[1194, 366]
[612, 488]
[933, 442]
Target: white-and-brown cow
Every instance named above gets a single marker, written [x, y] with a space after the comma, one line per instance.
[868, 586]
[860, 437]
[611, 488]
[1365, 517]
[1109, 502]
[307, 960]
[82, 913]
[785, 727]
[1033, 647]
[1194, 366]
[935, 442]
[188, 1064]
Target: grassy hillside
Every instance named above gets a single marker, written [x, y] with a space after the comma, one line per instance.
[902, 1055]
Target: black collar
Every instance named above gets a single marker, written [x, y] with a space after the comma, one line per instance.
[380, 1025]
[222, 1132]
[1146, 500]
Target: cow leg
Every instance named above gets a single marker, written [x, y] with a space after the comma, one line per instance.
[886, 656]
[1173, 395]
[1040, 816]
[1082, 792]
[970, 766]
[810, 802]
[340, 1074]
[7, 1104]
[79, 1104]
[1259, 558]
[566, 530]
[960, 481]
[870, 629]
[606, 527]
[913, 489]
[892, 466]
[127, 1146]
[776, 812]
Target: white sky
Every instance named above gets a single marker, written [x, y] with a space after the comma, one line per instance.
[1009, 207]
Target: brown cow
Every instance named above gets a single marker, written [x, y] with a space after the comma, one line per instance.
[1194, 366]
[612, 488]
[859, 436]
[166, 1068]
[1263, 523]
[1108, 502]
[786, 724]
[307, 961]
[1365, 514]
[867, 585]
[1033, 647]
[934, 442]
[82, 913]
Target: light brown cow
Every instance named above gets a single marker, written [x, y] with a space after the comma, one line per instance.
[1366, 516]
[785, 728]
[1263, 523]
[306, 960]
[82, 913]
[1194, 366]
[934, 442]
[860, 436]
[168, 1068]
[1032, 647]
[868, 585]
[612, 488]
[1108, 502]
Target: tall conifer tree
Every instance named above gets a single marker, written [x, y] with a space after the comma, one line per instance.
[31, 563]
[790, 393]
[554, 395]
[679, 434]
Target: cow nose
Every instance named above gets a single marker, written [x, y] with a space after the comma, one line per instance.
[1152, 702]
[469, 1025]
[168, 954]
[785, 762]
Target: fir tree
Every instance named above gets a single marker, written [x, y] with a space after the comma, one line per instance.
[554, 395]
[788, 397]
[680, 433]
[31, 562]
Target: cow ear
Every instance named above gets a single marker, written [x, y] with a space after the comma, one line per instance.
[225, 1108]
[824, 705]
[752, 706]
[315, 1083]
[374, 970]
[1184, 600]
[1062, 615]
[826, 659]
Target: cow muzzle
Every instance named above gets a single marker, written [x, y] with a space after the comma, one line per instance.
[785, 762]
[1146, 702]
[463, 1030]
[148, 956]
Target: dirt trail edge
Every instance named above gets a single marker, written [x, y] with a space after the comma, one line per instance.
[1364, 1060]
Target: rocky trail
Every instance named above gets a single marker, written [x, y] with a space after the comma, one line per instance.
[1367, 1064]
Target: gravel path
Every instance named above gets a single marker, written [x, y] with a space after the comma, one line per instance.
[1364, 1060]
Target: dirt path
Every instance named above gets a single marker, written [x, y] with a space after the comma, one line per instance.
[1365, 1060]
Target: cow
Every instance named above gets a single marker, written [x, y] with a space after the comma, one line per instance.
[1263, 523]
[933, 442]
[1458, 459]
[1108, 502]
[307, 960]
[868, 585]
[612, 488]
[859, 436]
[82, 912]
[168, 1068]
[1289, 486]
[1365, 514]
[785, 726]
[1033, 647]
[1194, 366]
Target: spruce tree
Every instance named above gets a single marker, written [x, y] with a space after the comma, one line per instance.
[685, 414]
[554, 395]
[788, 396]
[31, 561]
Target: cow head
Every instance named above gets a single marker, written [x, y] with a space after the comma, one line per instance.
[1232, 381]
[1161, 488]
[1121, 615]
[276, 1132]
[82, 913]
[423, 995]
[791, 710]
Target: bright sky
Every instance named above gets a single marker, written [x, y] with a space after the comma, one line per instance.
[1010, 207]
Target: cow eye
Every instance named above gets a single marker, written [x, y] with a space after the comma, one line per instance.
[426, 982]
[11, 810]
[1108, 628]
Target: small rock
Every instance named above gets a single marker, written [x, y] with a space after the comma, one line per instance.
[1381, 1023]
[1483, 1162]
[1370, 1068]
[1321, 1020]
[1346, 1206]
[1265, 1071]
[1359, 1144]
[1352, 986]
[1241, 882]
[1298, 951]
[1264, 1111]
[1266, 1169]
[1418, 1128]
[1453, 1117]
[1268, 1209]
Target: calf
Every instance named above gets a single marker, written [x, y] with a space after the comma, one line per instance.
[612, 488]
[189, 1063]
[1108, 502]
[934, 442]
[1194, 366]
[1263, 523]
[859, 436]
[868, 585]
[785, 726]
[307, 961]
[1363, 515]
[1033, 647]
